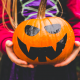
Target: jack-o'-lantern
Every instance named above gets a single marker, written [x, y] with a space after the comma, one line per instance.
[47, 40]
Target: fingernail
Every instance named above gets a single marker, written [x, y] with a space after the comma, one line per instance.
[24, 63]
[31, 66]
[55, 65]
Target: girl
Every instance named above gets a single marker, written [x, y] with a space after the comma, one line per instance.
[14, 12]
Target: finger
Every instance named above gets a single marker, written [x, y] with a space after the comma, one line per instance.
[29, 66]
[17, 61]
[77, 43]
[9, 43]
[13, 57]
[69, 59]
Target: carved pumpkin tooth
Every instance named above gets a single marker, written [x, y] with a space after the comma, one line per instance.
[54, 47]
[28, 48]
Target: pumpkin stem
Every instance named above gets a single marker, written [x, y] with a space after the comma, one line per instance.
[41, 10]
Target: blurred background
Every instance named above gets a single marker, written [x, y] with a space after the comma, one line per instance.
[77, 65]
[0, 62]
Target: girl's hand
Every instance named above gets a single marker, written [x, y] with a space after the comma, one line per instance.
[71, 57]
[13, 57]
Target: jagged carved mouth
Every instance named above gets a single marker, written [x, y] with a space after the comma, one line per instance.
[43, 52]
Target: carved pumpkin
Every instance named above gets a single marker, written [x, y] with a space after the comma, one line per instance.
[48, 40]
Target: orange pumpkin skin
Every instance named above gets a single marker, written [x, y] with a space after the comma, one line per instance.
[44, 39]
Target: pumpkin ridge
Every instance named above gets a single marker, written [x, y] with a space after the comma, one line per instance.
[46, 34]
[52, 38]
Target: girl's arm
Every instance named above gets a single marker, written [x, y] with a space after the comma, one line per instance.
[4, 33]
[6, 44]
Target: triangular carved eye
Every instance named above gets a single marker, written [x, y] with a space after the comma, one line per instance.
[31, 30]
[53, 29]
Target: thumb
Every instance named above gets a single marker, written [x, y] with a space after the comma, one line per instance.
[77, 43]
[9, 43]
